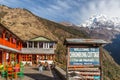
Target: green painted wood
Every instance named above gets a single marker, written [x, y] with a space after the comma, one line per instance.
[40, 39]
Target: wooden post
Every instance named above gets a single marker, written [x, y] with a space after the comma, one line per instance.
[3, 34]
[9, 57]
[10, 40]
[53, 56]
[14, 56]
[32, 44]
[37, 44]
[4, 57]
[26, 57]
[19, 45]
[36, 59]
[19, 58]
[101, 68]
[42, 56]
[27, 44]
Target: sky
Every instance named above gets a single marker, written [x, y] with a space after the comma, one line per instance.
[73, 11]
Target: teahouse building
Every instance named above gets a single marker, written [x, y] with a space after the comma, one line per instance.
[12, 48]
[39, 49]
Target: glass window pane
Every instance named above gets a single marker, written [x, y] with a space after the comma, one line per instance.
[35, 44]
[40, 45]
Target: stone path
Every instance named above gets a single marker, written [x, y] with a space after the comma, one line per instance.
[32, 73]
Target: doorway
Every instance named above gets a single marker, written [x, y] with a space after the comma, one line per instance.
[0, 56]
[34, 59]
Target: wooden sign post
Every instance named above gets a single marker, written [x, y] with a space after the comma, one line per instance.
[84, 59]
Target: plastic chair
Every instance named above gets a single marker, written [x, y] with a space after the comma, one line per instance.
[10, 72]
[20, 75]
[1, 68]
[4, 74]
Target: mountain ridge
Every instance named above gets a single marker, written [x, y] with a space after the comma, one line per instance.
[25, 20]
[96, 20]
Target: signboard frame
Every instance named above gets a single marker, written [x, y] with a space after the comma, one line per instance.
[68, 58]
[83, 66]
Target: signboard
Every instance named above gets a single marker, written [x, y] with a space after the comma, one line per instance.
[96, 77]
[84, 56]
[84, 59]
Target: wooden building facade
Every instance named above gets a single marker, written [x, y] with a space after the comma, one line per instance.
[12, 48]
[39, 49]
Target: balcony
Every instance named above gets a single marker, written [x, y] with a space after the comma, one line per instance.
[38, 50]
[9, 44]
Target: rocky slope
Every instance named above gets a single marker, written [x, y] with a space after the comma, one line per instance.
[26, 25]
[111, 70]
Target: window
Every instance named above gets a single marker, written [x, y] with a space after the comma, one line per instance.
[51, 45]
[17, 43]
[30, 44]
[40, 45]
[25, 45]
[46, 45]
[35, 44]
[1, 34]
[13, 40]
[7, 37]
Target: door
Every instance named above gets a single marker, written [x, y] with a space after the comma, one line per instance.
[0, 56]
[34, 59]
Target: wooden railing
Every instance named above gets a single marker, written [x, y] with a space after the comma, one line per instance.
[9, 44]
[38, 50]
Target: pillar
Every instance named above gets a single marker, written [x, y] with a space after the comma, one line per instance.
[27, 44]
[10, 40]
[37, 44]
[101, 67]
[3, 34]
[21, 45]
[50, 57]
[42, 57]
[53, 56]
[26, 57]
[36, 59]
[32, 44]
[19, 58]
[48, 45]
[4, 57]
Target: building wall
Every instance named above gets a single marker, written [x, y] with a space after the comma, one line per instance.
[9, 44]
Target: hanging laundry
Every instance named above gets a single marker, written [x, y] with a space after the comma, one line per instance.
[14, 41]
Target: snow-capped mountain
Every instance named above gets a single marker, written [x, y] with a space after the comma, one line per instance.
[101, 26]
[107, 28]
[102, 21]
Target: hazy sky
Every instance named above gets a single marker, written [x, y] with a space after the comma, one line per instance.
[74, 11]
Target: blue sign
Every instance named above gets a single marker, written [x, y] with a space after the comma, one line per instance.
[84, 56]
[96, 77]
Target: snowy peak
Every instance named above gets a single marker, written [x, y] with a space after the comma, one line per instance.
[102, 21]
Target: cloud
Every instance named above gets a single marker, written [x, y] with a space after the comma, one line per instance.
[110, 8]
[78, 11]
[74, 11]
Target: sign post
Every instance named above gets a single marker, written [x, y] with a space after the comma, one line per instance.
[84, 59]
